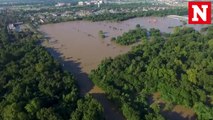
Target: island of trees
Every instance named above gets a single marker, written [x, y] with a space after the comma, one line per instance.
[132, 36]
[136, 35]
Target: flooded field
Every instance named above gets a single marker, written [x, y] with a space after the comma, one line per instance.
[79, 48]
[79, 41]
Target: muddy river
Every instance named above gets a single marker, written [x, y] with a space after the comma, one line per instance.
[79, 48]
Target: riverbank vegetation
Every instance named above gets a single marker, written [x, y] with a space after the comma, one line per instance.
[34, 86]
[179, 67]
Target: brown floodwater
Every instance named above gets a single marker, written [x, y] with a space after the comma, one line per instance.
[79, 48]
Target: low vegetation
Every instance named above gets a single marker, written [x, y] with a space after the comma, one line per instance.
[101, 34]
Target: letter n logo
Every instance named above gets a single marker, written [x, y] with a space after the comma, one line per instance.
[199, 12]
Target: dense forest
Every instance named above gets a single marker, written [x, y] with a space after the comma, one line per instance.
[126, 16]
[179, 66]
[34, 86]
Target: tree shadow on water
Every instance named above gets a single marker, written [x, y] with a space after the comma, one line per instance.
[173, 115]
[111, 111]
[83, 81]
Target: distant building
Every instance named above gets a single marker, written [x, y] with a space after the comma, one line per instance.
[92, 2]
[83, 13]
[11, 27]
[14, 26]
[60, 4]
[32, 18]
[81, 3]
[100, 1]
[54, 15]
[88, 3]
[41, 20]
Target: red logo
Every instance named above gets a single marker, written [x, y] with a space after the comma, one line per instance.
[199, 12]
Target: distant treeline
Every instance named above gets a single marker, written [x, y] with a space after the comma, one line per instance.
[126, 16]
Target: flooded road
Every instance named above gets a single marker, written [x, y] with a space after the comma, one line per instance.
[79, 48]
